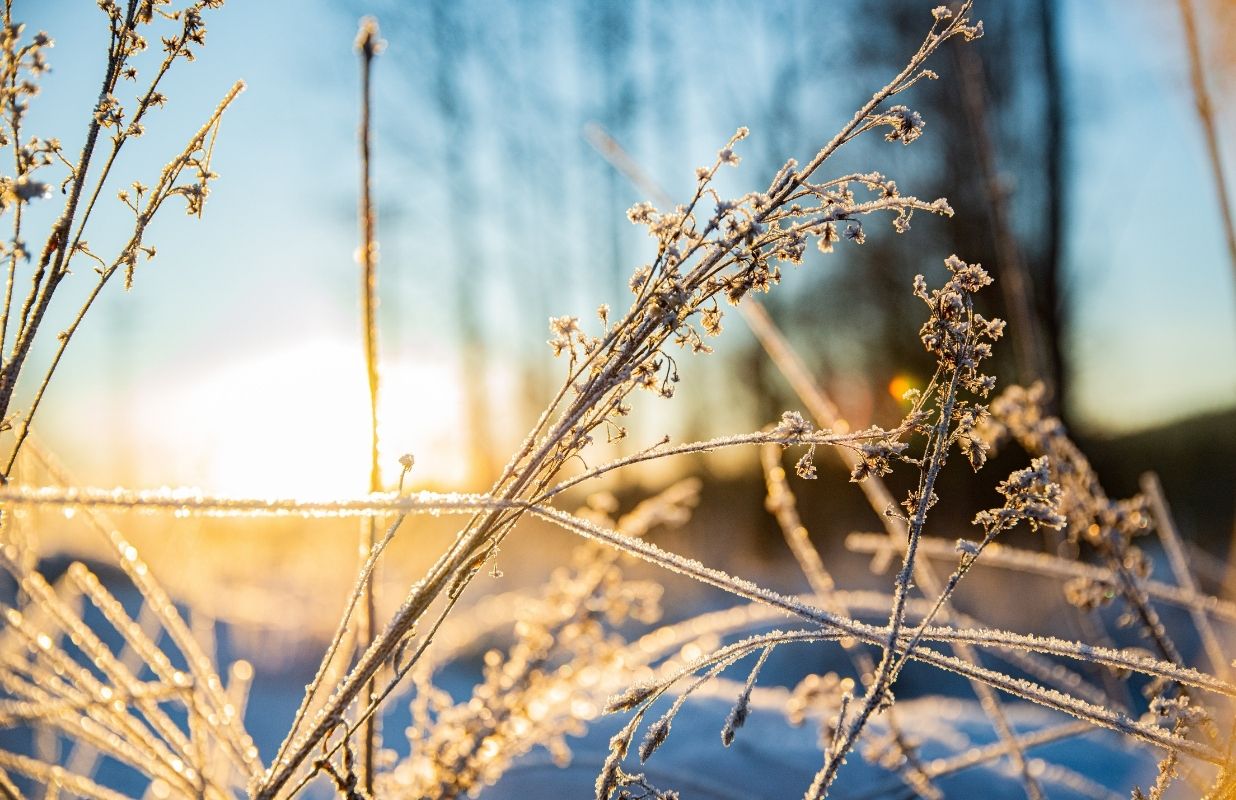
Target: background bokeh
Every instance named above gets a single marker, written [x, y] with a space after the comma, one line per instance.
[234, 362]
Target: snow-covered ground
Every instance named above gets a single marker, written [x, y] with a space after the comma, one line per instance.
[772, 759]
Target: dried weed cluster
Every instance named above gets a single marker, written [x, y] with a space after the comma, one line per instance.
[143, 689]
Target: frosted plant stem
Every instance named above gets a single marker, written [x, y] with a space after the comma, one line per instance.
[376, 700]
[943, 597]
[199, 664]
[170, 173]
[1048, 565]
[1095, 713]
[943, 767]
[879, 686]
[825, 413]
[51, 775]
[45, 597]
[63, 243]
[134, 743]
[1170, 538]
[336, 641]
[754, 615]
[84, 758]
[368, 45]
[14, 256]
[768, 437]
[8, 789]
[1071, 469]
[780, 501]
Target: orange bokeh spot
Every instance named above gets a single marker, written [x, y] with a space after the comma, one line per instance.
[899, 385]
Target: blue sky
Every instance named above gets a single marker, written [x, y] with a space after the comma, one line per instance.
[245, 327]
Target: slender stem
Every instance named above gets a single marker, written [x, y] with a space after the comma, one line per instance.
[368, 45]
[950, 585]
[1028, 562]
[1098, 715]
[783, 506]
[60, 246]
[15, 126]
[1166, 528]
[1206, 114]
[877, 492]
[936, 451]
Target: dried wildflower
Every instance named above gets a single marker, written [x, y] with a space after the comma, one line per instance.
[968, 548]
[954, 334]
[973, 446]
[655, 736]
[805, 466]
[817, 693]
[1029, 496]
[906, 125]
[566, 334]
[742, 706]
[1175, 712]
[1107, 524]
[913, 504]
[876, 458]
[827, 237]
[793, 426]
[641, 213]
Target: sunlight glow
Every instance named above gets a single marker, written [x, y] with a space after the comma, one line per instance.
[295, 422]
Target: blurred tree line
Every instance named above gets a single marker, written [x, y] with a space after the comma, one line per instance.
[483, 113]
[488, 128]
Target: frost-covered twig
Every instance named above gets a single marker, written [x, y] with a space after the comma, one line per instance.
[826, 413]
[1024, 561]
[781, 503]
[368, 45]
[232, 735]
[1166, 528]
[65, 240]
[877, 635]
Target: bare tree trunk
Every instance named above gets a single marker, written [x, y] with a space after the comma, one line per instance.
[1055, 153]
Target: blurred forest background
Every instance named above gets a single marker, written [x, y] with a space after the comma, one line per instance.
[1067, 141]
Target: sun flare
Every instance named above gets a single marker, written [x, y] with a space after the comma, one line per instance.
[293, 421]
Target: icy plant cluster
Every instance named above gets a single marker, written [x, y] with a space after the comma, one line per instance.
[159, 704]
